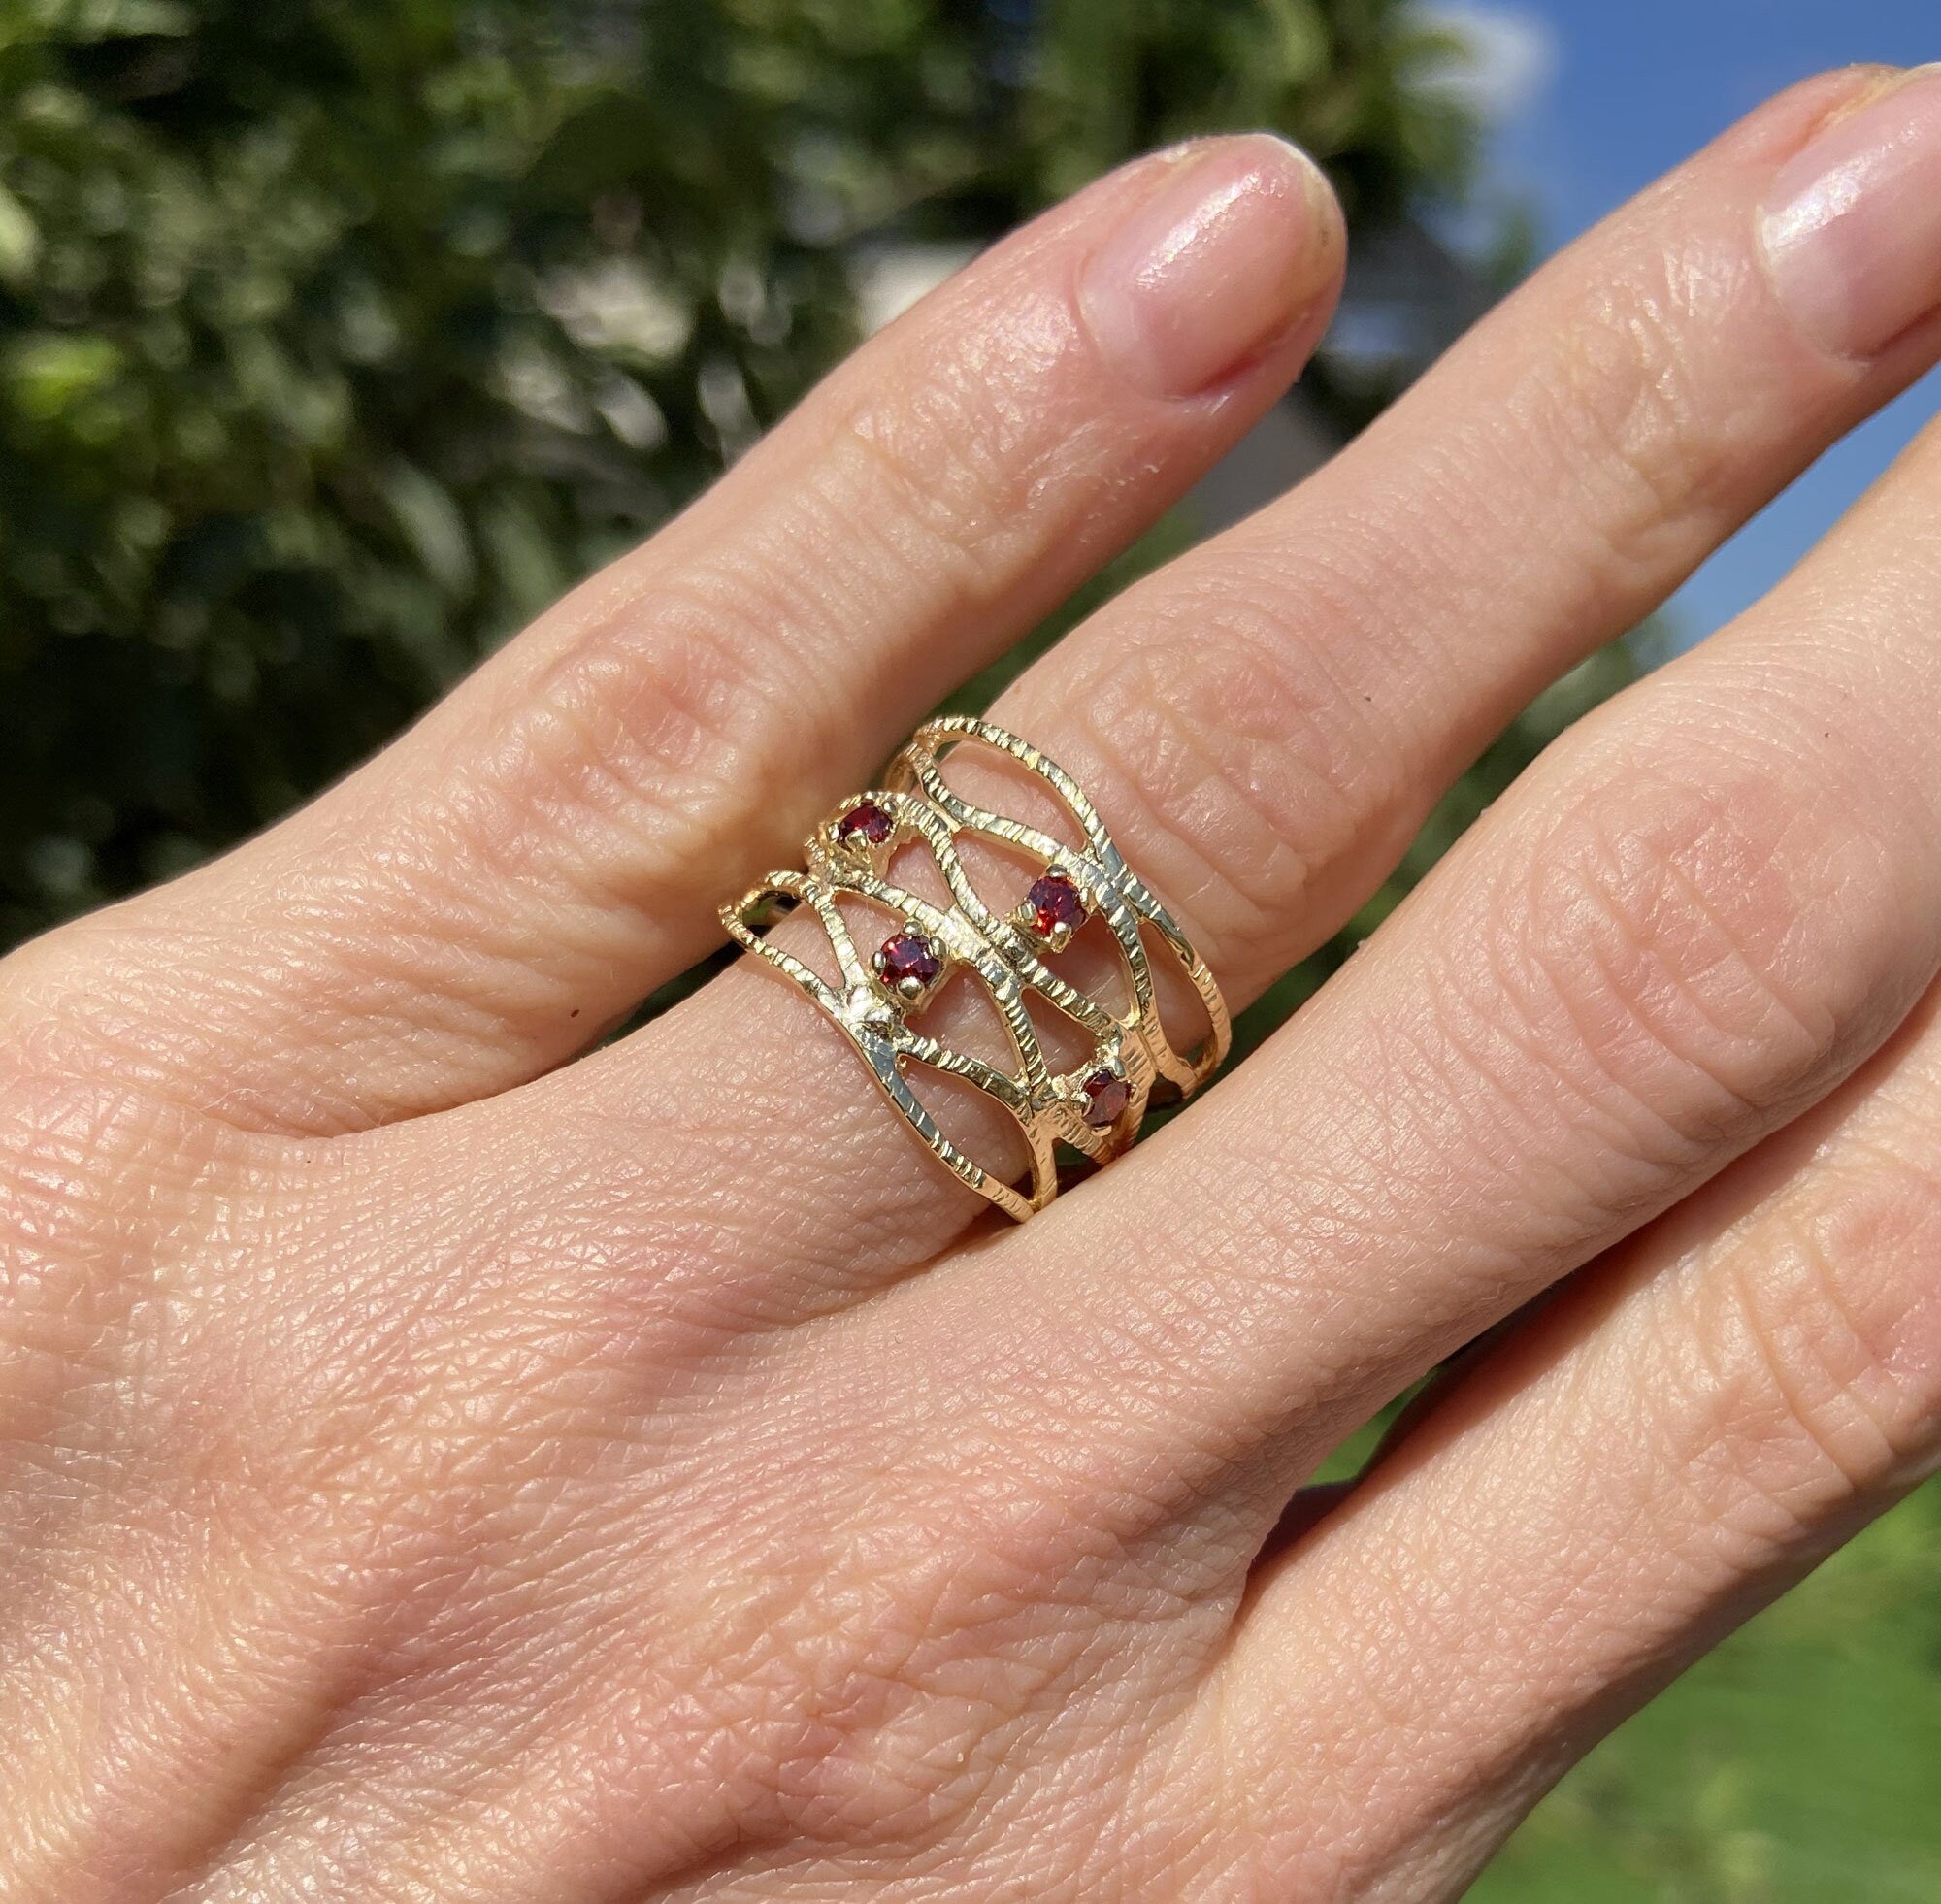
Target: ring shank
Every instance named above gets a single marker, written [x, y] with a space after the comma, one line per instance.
[1096, 1109]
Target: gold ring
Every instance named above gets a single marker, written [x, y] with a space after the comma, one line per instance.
[1096, 1109]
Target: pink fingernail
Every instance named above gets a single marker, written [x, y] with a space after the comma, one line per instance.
[1220, 260]
[1852, 228]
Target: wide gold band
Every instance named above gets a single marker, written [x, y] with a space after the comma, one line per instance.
[1096, 1109]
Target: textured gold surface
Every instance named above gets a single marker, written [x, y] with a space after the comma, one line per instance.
[1006, 953]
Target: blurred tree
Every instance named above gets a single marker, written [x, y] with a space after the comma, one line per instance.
[335, 340]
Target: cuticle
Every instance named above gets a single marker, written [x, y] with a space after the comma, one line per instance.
[1887, 80]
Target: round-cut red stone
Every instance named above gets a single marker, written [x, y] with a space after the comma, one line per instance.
[910, 955]
[1055, 903]
[866, 820]
[1106, 1094]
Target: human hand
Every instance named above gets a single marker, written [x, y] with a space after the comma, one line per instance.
[436, 1469]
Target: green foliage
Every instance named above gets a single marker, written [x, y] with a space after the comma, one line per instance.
[335, 340]
[1800, 1763]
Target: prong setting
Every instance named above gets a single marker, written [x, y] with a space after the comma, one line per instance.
[865, 827]
[1053, 910]
[909, 965]
[1103, 1095]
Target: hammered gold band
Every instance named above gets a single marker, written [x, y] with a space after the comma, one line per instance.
[1096, 1109]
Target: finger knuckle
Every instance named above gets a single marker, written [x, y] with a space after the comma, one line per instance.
[1700, 919]
[940, 469]
[1617, 400]
[709, 690]
[660, 729]
[1821, 1329]
[1239, 771]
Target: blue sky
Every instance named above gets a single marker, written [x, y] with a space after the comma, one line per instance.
[1600, 96]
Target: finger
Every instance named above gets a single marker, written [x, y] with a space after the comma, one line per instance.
[1654, 1457]
[1701, 910]
[1265, 723]
[552, 841]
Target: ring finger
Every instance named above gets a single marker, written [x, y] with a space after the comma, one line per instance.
[1264, 723]
[1686, 924]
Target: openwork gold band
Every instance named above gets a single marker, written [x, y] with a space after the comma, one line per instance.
[1096, 1109]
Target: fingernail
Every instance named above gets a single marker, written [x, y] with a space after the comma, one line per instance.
[1852, 228]
[1238, 240]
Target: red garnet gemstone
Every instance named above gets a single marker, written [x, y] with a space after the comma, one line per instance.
[866, 820]
[1055, 905]
[909, 955]
[1107, 1095]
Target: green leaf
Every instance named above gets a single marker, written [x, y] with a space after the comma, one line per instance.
[49, 374]
[433, 524]
[20, 238]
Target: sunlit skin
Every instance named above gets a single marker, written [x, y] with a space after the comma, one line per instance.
[437, 1465]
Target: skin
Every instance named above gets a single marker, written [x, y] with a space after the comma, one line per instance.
[437, 1465]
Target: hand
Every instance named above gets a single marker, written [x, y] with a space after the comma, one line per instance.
[442, 1467]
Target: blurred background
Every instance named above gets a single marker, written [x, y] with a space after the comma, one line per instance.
[335, 340]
